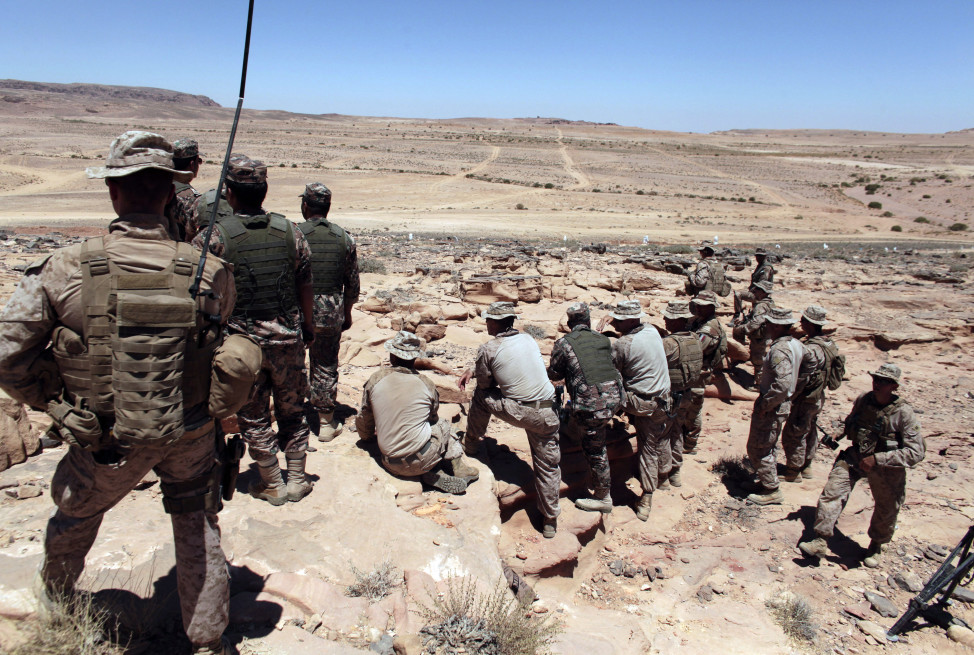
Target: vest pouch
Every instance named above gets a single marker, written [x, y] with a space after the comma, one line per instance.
[71, 355]
[74, 425]
[236, 365]
[147, 367]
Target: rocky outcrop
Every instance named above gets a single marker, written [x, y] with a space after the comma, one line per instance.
[18, 439]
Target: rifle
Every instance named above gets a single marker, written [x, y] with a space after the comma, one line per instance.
[827, 439]
[942, 583]
[230, 456]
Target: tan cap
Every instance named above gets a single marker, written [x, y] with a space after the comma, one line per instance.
[626, 309]
[406, 345]
[499, 310]
[137, 151]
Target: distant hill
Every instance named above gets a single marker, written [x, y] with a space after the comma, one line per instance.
[19, 91]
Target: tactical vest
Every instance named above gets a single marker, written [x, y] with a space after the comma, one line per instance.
[686, 367]
[206, 206]
[718, 281]
[329, 246]
[262, 251]
[763, 272]
[764, 302]
[594, 354]
[815, 386]
[870, 428]
[141, 358]
[712, 361]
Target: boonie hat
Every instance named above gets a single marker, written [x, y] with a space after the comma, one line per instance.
[706, 245]
[579, 311]
[626, 309]
[761, 251]
[406, 345]
[706, 298]
[779, 316]
[137, 151]
[887, 372]
[814, 314]
[316, 193]
[677, 309]
[185, 149]
[764, 285]
[244, 170]
[499, 310]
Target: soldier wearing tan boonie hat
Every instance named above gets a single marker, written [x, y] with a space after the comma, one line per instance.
[684, 358]
[406, 345]
[137, 151]
[763, 272]
[751, 329]
[709, 274]
[626, 310]
[500, 310]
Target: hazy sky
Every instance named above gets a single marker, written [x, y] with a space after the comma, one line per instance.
[687, 65]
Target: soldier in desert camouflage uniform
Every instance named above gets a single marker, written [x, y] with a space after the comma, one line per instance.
[752, 329]
[713, 340]
[708, 275]
[684, 359]
[334, 260]
[272, 268]
[185, 157]
[764, 271]
[101, 467]
[886, 441]
[583, 359]
[778, 380]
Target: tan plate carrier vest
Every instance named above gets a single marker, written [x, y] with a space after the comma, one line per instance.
[870, 428]
[139, 362]
[686, 368]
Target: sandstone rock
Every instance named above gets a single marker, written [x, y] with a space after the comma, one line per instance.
[640, 281]
[484, 293]
[908, 581]
[18, 440]
[366, 359]
[454, 312]
[448, 390]
[873, 630]
[380, 305]
[961, 635]
[431, 332]
[530, 291]
[408, 645]
[883, 605]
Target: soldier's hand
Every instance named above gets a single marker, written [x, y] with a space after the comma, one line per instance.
[867, 464]
[462, 382]
[602, 323]
[307, 334]
[347, 323]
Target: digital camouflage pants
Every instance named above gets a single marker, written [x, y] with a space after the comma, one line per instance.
[799, 437]
[671, 443]
[443, 445]
[282, 373]
[541, 426]
[593, 447]
[323, 355]
[650, 420]
[83, 490]
[762, 442]
[694, 419]
[888, 486]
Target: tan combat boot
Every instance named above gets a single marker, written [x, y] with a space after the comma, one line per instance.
[270, 487]
[443, 481]
[549, 528]
[766, 497]
[330, 426]
[807, 472]
[598, 504]
[220, 647]
[792, 475]
[816, 548]
[663, 482]
[460, 469]
[675, 478]
[873, 555]
[298, 484]
[644, 506]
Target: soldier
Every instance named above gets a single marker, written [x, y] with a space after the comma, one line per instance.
[885, 442]
[639, 356]
[799, 437]
[713, 340]
[121, 424]
[779, 377]
[400, 410]
[272, 268]
[512, 384]
[751, 330]
[708, 275]
[684, 358]
[583, 359]
[334, 260]
[764, 271]
[185, 157]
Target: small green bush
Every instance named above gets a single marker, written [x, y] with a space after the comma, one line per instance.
[958, 227]
[549, 185]
[875, 205]
[369, 265]
[520, 205]
[921, 219]
[896, 228]
[887, 214]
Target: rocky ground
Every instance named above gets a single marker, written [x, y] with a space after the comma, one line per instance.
[702, 569]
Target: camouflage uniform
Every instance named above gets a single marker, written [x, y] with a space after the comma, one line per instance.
[538, 419]
[88, 484]
[592, 407]
[799, 437]
[762, 272]
[180, 207]
[680, 416]
[710, 333]
[283, 372]
[778, 380]
[887, 480]
[753, 329]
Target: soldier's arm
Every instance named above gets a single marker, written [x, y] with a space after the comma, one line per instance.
[780, 385]
[558, 363]
[756, 319]
[351, 285]
[365, 421]
[913, 450]
[700, 275]
[481, 370]
[303, 282]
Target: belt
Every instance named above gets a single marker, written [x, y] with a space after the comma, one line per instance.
[537, 404]
[421, 451]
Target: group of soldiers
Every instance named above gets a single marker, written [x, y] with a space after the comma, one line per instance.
[128, 344]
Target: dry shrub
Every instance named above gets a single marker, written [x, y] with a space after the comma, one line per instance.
[795, 616]
[729, 468]
[74, 626]
[376, 584]
[370, 265]
[466, 620]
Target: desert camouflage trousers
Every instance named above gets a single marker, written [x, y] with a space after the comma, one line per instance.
[693, 424]
[282, 373]
[740, 297]
[443, 445]
[799, 437]
[651, 429]
[671, 443]
[83, 490]
[888, 486]
[762, 442]
[593, 447]
[758, 348]
[323, 355]
[541, 426]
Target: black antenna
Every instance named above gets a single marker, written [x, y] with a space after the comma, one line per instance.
[195, 288]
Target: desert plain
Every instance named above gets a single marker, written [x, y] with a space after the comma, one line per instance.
[452, 214]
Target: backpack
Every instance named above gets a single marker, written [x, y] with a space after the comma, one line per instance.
[834, 366]
[719, 280]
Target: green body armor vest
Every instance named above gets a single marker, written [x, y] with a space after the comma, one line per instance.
[686, 368]
[594, 353]
[262, 251]
[815, 386]
[206, 206]
[870, 429]
[329, 246]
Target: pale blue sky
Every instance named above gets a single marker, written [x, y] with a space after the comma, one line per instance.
[690, 65]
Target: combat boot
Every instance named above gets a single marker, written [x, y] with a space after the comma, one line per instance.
[270, 487]
[330, 426]
[460, 469]
[675, 478]
[220, 647]
[689, 447]
[807, 472]
[816, 548]
[603, 504]
[644, 506]
[792, 475]
[443, 481]
[470, 446]
[873, 555]
[767, 497]
[663, 483]
[549, 528]
[298, 484]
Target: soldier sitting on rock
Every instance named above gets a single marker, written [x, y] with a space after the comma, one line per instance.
[400, 411]
[886, 441]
